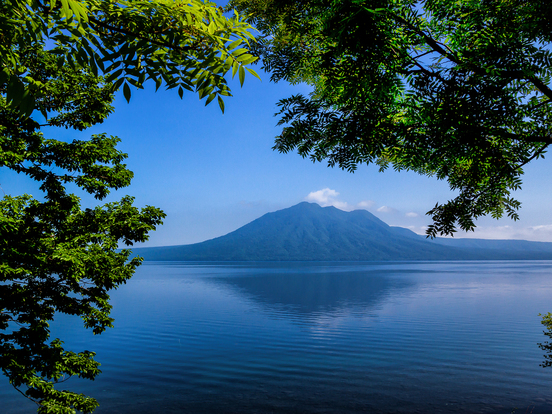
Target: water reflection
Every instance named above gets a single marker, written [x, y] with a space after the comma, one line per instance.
[322, 292]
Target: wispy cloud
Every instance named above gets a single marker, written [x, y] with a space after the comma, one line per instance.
[412, 214]
[386, 209]
[366, 204]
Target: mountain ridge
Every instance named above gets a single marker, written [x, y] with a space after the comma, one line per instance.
[309, 232]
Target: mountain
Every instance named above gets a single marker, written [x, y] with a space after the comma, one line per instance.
[312, 233]
[511, 246]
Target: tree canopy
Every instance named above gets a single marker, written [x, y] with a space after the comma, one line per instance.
[188, 45]
[60, 64]
[458, 90]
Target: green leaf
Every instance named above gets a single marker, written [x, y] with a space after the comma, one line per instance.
[234, 44]
[242, 75]
[66, 11]
[246, 59]
[15, 90]
[221, 103]
[210, 98]
[211, 28]
[126, 92]
[251, 71]
[80, 11]
[27, 104]
[112, 76]
[239, 52]
[118, 83]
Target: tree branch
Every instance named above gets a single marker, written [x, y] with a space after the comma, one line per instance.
[542, 103]
[514, 74]
[535, 155]
[517, 137]
[26, 396]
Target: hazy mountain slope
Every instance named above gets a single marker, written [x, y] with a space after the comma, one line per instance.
[507, 245]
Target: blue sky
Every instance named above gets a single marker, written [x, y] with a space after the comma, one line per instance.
[212, 173]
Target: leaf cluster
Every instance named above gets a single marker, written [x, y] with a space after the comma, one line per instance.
[185, 45]
[547, 346]
[455, 90]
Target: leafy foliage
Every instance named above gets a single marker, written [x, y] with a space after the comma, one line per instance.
[187, 45]
[456, 90]
[547, 346]
[55, 256]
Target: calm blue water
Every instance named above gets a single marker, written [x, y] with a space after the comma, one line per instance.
[320, 338]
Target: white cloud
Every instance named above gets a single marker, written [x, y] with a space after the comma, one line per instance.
[328, 197]
[546, 228]
[412, 214]
[386, 209]
[323, 197]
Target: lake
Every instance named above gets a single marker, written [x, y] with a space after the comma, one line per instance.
[393, 337]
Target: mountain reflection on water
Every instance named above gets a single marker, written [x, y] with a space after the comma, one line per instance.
[322, 292]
